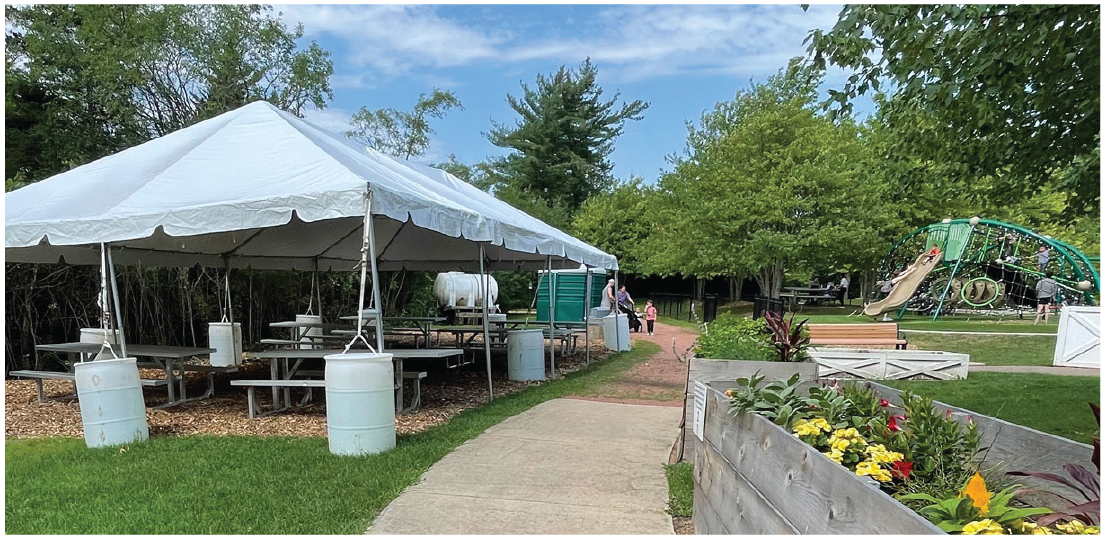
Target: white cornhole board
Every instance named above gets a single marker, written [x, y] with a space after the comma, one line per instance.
[1079, 338]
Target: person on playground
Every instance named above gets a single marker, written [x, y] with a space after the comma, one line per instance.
[843, 289]
[1042, 258]
[933, 252]
[1046, 291]
[650, 316]
[887, 286]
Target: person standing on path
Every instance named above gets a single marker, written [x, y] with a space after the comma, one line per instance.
[624, 297]
[1046, 291]
[650, 316]
[843, 289]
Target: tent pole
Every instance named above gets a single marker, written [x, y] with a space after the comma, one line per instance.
[370, 234]
[617, 328]
[549, 285]
[587, 315]
[484, 286]
[115, 296]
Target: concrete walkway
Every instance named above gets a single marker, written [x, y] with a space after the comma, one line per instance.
[564, 467]
[1045, 370]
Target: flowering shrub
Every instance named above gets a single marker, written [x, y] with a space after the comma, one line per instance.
[847, 447]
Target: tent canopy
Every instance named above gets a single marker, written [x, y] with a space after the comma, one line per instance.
[258, 187]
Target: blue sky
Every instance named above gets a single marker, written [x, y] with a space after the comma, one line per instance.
[681, 59]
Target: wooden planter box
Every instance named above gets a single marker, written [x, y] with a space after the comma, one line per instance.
[888, 364]
[752, 477]
[707, 371]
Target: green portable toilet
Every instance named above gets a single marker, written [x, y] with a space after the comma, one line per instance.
[570, 293]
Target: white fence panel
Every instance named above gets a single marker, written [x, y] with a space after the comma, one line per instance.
[1079, 338]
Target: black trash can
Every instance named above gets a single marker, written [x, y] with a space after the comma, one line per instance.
[762, 304]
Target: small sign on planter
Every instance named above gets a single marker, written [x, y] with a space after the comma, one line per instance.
[700, 392]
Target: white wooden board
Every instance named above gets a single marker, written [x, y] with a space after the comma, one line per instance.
[1079, 338]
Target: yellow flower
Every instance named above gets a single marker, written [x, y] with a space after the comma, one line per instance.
[835, 455]
[840, 444]
[729, 393]
[985, 526]
[1076, 527]
[976, 489]
[1028, 527]
[870, 468]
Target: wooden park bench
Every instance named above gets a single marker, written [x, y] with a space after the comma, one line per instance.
[39, 376]
[856, 334]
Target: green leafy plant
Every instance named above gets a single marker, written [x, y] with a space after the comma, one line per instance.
[974, 510]
[730, 337]
[1089, 511]
[778, 401]
[789, 338]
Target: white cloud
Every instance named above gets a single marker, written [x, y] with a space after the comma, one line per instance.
[630, 42]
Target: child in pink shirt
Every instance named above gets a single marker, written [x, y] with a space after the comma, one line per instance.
[650, 316]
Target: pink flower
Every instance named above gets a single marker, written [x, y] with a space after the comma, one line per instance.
[901, 469]
[884, 403]
[893, 425]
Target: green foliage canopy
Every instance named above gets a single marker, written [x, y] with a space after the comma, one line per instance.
[86, 81]
[399, 133]
[560, 145]
[1007, 91]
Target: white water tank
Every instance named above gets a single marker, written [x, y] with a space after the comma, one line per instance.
[622, 329]
[360, 403]
[110, 397]
[458, 289]
[526, 355]
[309, 343]
[227, 342]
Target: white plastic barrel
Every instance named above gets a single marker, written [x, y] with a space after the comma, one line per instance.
[308, 343]
[96, 335]
[227, 342]
[110, 396]
[458, 289]
[525, 355]
[623, 330]
[360, 403]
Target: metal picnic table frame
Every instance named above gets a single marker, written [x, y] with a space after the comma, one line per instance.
[280, 370]
[166, 357]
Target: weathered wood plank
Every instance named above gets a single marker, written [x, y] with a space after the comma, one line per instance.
[738, 507]
[1013, 447]
[707, 371]
[814, 494]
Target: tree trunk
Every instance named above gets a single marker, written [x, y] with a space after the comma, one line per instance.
[770, 279]
[735, 288]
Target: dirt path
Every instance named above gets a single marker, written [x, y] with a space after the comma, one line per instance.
[657, 381]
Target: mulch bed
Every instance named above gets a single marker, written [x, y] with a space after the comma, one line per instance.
[445, 393]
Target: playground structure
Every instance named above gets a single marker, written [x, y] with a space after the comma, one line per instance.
[984, 265]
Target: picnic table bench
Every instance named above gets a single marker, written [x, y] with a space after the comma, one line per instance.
[255, 411]
[856, 334]
[39, 376]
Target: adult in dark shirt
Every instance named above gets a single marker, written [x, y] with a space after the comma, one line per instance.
[1046, 291]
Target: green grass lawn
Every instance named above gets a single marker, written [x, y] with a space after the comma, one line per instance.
[1050, 403]
[680, 488]
[991, 350]
[243, 485]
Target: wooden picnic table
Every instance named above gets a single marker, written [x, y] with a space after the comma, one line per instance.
[166, 357]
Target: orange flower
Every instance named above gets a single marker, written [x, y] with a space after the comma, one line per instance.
[976, 489]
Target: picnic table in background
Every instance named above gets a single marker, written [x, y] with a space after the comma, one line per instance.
[795, 296]
[423, 324]
[281, 371]
[169, 358]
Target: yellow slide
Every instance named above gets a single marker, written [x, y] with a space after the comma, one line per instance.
[904, 289]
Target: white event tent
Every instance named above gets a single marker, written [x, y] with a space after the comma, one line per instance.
[258, 187]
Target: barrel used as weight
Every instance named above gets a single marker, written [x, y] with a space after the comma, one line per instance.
[360, 403]
[226, 339]
[620, 324]
[308, 343]
[525, 355]
[110, 398]
[96, 335]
